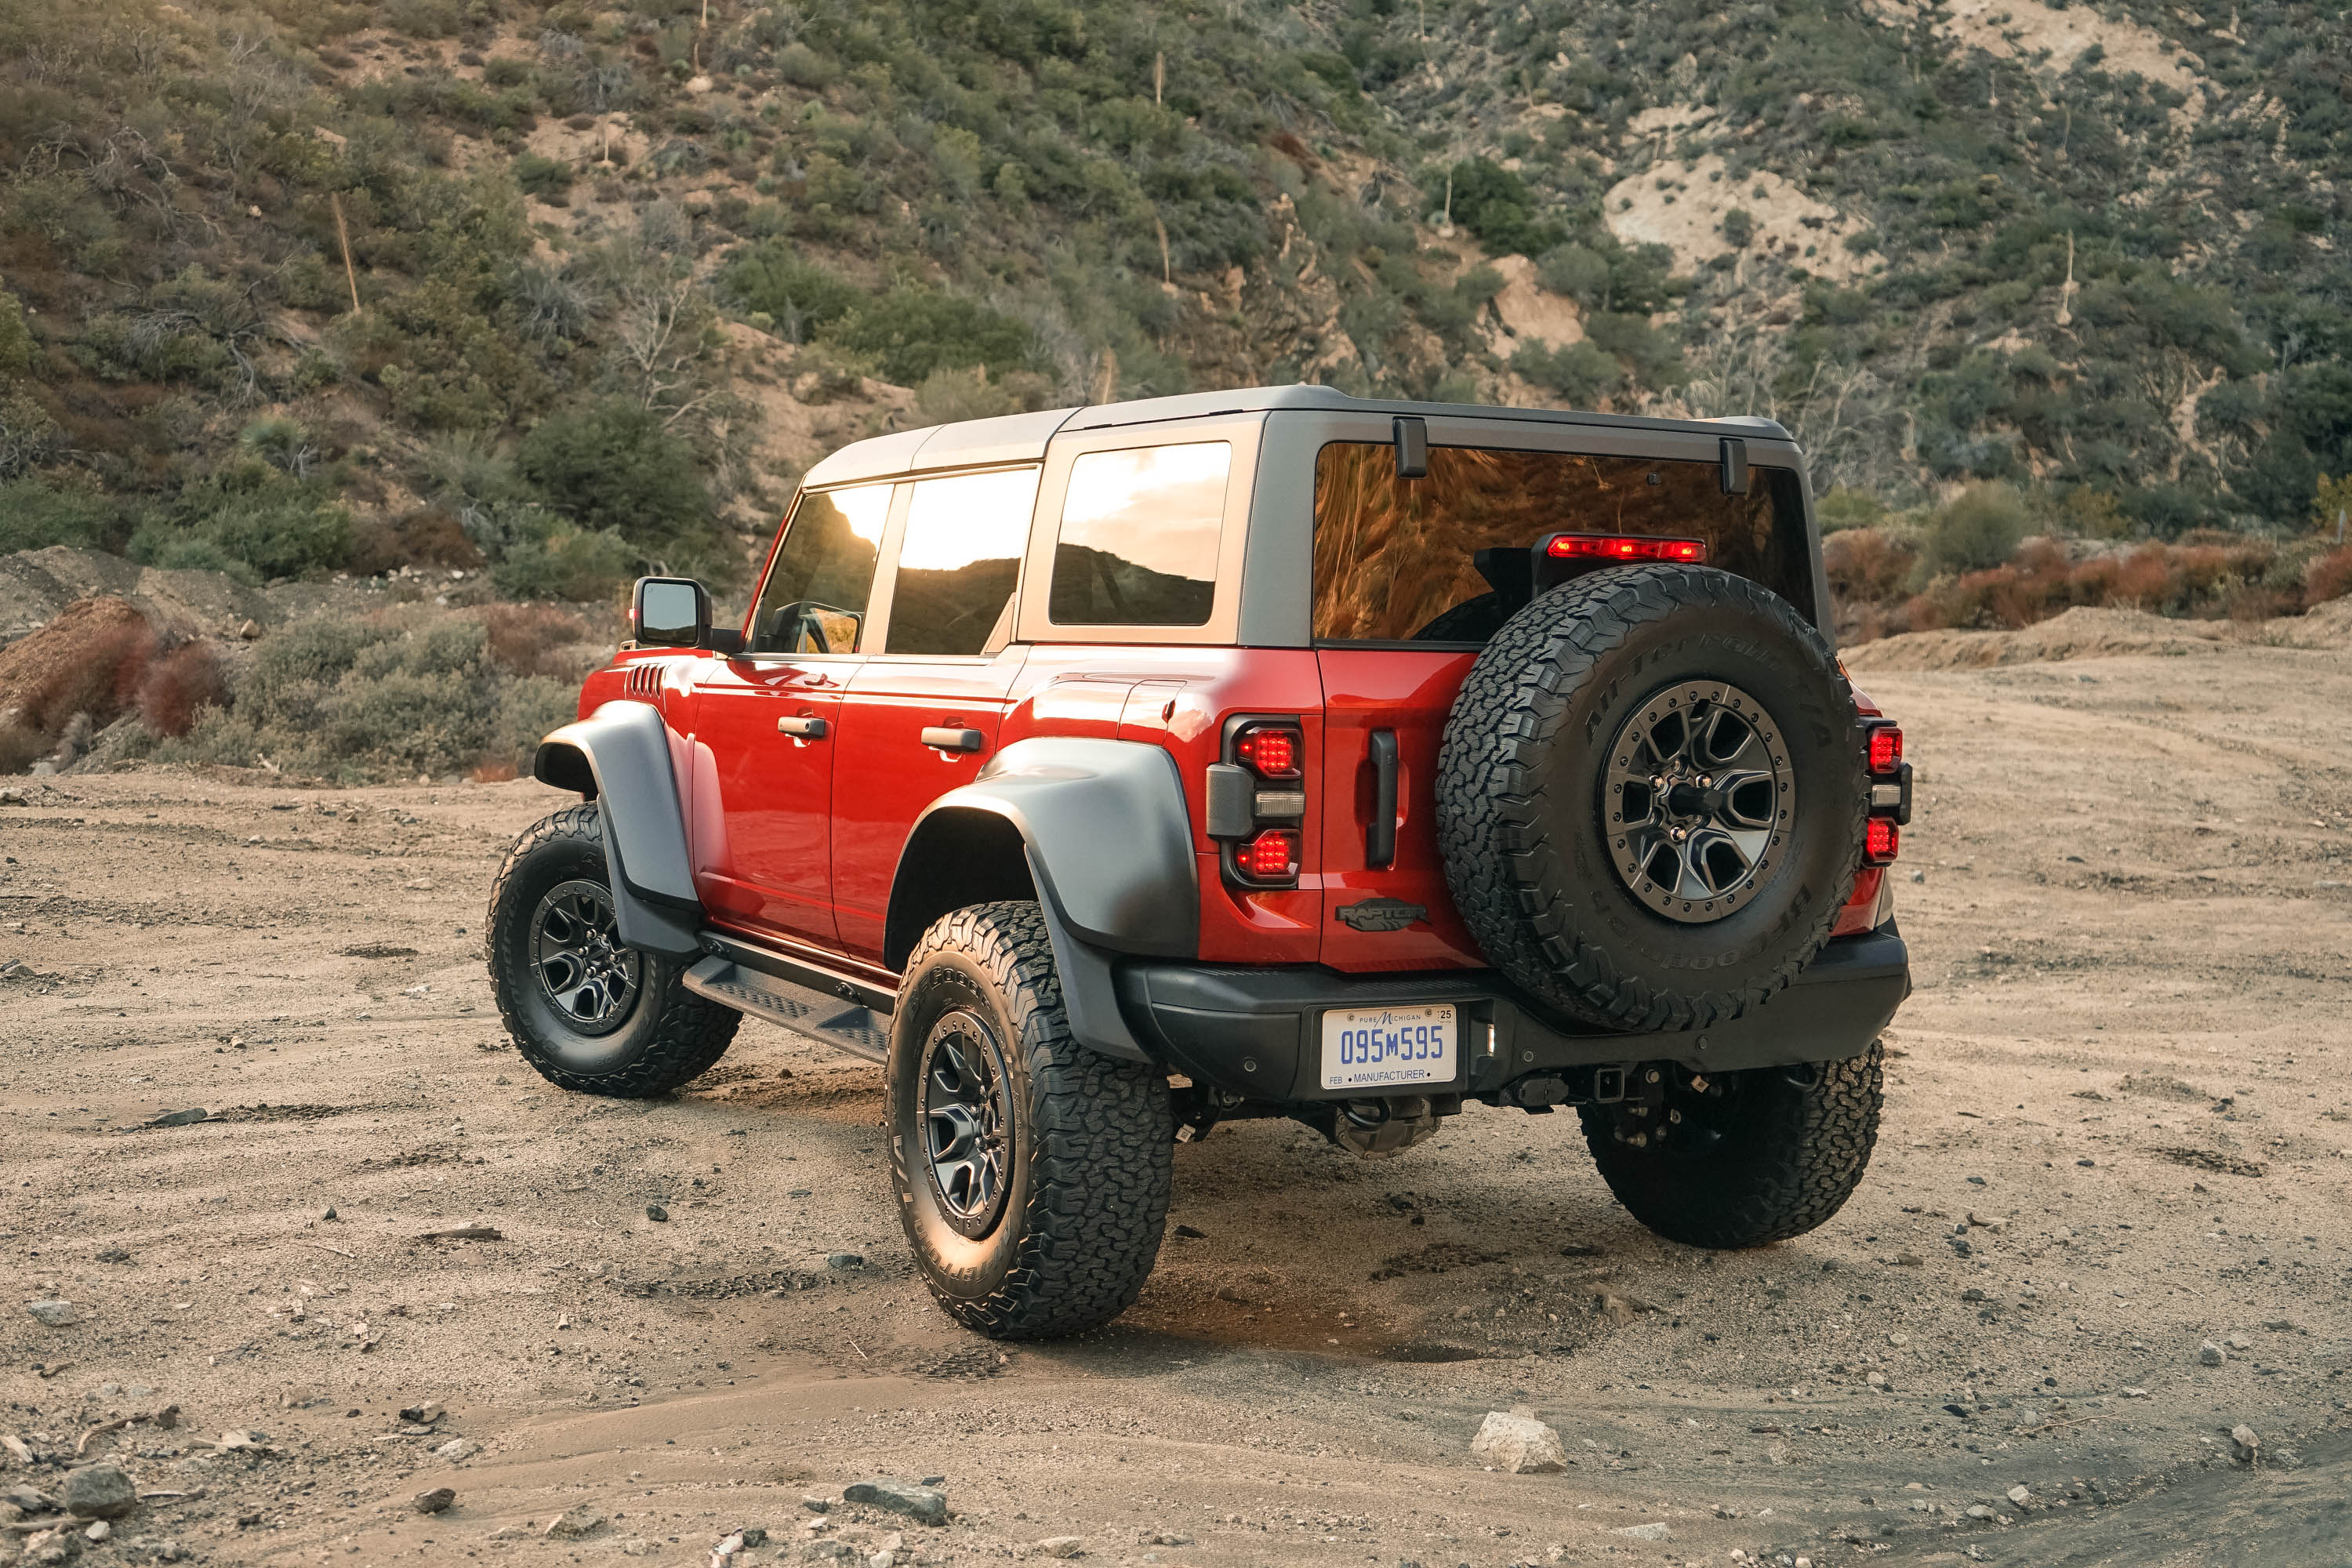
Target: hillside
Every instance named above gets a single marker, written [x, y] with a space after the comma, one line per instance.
[563, 291]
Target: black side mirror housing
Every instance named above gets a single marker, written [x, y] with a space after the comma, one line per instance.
[669, 612]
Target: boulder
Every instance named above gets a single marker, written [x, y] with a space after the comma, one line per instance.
[1519, 1444]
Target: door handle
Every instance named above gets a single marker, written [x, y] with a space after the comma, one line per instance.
[1379, 838]
[938, 737]
[802, 729]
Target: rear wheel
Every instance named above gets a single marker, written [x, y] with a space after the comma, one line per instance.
[588, 1013]
[1033, 1173]
[1748, 1158]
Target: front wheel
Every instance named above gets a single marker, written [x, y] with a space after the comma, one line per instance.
[1033, 1173]
[589, 1014]
[1750, 1158]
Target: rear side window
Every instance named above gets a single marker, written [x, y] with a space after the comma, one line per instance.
[1140, 535]
[814, 601]
[1397, 559]
[961, 555]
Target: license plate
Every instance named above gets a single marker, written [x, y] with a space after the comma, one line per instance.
[1375, 1047]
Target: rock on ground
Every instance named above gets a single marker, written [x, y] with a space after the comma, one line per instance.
[1519, 1444]
[911, 1498]
[99, 1492]
[574, 1523]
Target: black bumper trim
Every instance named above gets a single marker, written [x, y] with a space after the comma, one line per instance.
[1254, 1032]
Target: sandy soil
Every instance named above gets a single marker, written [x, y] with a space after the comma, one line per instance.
[2115, 1132]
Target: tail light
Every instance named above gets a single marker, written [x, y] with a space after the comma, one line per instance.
[1885, 749]
[1269, 751]
[1271, 856]
[1890, 795]
[1624, 547]
[1257, 801]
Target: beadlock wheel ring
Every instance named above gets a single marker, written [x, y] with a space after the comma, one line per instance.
[1698, 800]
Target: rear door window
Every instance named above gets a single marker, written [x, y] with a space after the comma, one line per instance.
[817, 588]
[961, 555]
[1397, 559]
[1139, 535]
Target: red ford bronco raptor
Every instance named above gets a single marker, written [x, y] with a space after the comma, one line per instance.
[1107, 773]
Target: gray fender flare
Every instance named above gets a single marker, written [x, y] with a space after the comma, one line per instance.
[1108, 841]
[619, 755]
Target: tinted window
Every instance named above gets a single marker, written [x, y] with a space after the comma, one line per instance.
[1397, 559]
[823, 574]
[1140, 535]
[965, 535]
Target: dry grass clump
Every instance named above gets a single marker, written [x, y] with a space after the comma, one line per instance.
[1875, 582]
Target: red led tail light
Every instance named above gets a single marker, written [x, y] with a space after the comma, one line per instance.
[1885, 748]
[1882, 842]
[1271, 855]
[1624, 547]
[1269, 751]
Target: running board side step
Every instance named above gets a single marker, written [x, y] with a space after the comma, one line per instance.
[828, 1020]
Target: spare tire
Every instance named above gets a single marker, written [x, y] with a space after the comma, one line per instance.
[1651, 797]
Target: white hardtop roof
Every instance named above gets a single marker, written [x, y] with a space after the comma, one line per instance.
[1022, 437]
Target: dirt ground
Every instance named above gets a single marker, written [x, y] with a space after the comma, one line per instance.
[2116, 1132]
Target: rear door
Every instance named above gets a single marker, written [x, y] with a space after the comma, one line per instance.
[768, 723]
[923, 712]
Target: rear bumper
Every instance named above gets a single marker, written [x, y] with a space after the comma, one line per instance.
[1258, 1032]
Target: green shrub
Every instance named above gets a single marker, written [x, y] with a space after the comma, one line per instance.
[911, 331]
[797, 294]
[275, 528]
[526, 709]
[1496, 205]
[292, 670]
[1650, 354]
[611, 464]
[543, 176]
[15, 337]
[1843, 508]
[567, 565]
[1978, 530]
[35, 514]
[1582, 373]
[1577, 271]
[804, 66]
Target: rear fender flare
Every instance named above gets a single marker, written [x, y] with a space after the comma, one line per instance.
[620, 757]
[1108, 841]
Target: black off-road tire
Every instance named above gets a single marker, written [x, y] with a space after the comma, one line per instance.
[668, 1036]
[1520, 817]
[1774, 1154]
[1089, 1155]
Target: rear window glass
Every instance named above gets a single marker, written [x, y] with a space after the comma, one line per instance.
[1140, 535]
[957, 565]
[1397, 559]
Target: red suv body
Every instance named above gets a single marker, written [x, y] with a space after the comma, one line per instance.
[1183, 675]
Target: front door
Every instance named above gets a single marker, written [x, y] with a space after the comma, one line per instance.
[769, 723]
[922, 714]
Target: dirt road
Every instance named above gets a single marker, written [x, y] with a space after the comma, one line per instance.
[2116, 1135]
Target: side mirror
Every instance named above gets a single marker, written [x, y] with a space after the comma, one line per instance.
[669, 612]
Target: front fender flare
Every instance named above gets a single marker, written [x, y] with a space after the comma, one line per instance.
[619, 756]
